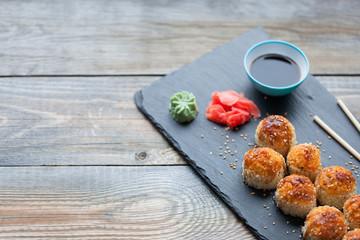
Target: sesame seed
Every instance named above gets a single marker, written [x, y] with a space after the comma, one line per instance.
[329, 157]
[241, 135]
[273, 223]
[355, 172]
[265, 227]
[228, 140]
[227, 136]
[357, 167]
[287, 232]
[357, 176]
[235, 151]
[222, 134]
[233, 140]
[267, 208]
[269, 214]
[252, 193]
[236, 160]
[221, 173]
[323, 150]
[220, 154]
[202, 136]
[329, 137]
[351, 156]
[350, 162]
[227, 148]
[210, 153]
[214, 128]
[224, 157]
[264, 206]
[294, 231]
[220, 147]
[225, 143]
[346, 164]
[245, 138]
[234, 167]
[310, 114]
[287, 222]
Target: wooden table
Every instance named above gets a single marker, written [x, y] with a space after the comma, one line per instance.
[79, 161]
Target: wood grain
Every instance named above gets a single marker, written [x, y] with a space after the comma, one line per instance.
[112, 203]
[94, 121]
[345, 88]
[156, 37]
[77, 121]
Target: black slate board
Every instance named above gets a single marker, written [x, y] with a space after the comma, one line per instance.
[222, 69]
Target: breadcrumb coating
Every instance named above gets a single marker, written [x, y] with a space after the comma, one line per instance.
[263, 168]
[325, 223]
[304, 159]
[353, 235]
[276, 132]
[336, 180]
[352, 211]
[296, 195]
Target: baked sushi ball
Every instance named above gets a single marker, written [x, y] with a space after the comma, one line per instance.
[304, 159]
[352, 211]
[295, 195]
[263, 168]
[276, 132]
[334, 185]
[353, 235]
[324, 223]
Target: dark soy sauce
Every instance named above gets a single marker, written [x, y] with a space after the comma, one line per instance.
[275, 70]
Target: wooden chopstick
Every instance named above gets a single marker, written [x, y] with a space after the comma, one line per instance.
[337, 137]
[349, 114]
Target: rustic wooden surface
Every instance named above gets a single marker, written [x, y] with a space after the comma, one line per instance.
[140, 37]
[79, 161]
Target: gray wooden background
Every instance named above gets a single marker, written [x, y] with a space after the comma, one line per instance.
[79, 161]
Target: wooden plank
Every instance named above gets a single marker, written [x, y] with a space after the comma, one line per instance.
[77, 121]
[94, 121]
[345, 88]
[142, 37]
[112, 203]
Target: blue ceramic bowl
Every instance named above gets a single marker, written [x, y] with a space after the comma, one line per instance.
[276, 47]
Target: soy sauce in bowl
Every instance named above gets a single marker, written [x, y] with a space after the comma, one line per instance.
[275, 70]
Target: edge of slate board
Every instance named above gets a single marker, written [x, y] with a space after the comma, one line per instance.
[139, 102]
[138, 97]
[310, 97]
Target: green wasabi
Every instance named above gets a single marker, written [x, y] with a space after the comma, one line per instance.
[183, 107]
